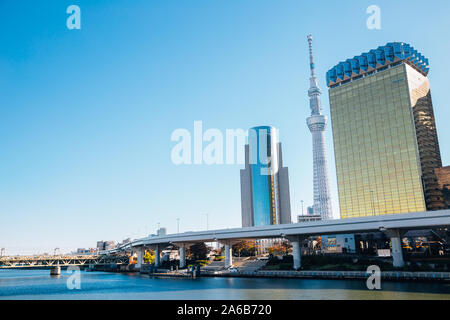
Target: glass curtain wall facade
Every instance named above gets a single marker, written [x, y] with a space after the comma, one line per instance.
[384, 133]
[265, 195]
[263, 160]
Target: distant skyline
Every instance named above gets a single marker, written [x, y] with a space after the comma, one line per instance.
[86, 116]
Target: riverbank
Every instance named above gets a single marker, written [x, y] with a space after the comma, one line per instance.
[318, 275]
[342, 275]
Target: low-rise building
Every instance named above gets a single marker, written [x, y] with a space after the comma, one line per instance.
[308, 218]
[168, 255]
[339, 243]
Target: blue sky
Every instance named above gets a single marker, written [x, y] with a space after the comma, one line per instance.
[86, 115]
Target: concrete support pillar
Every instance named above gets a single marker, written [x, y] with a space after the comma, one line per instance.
[396, 244]
[297, 244]
[297, 254]
[140, 257]
[55, 271]
[228, 255]
[397, 252]
[182, 252]
[157, 257]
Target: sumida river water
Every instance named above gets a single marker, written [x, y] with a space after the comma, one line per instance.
[38, 284]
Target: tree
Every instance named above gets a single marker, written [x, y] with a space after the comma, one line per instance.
[282, 248]
[244, 248]
[198, 251]
[286, 246]
[149, 257]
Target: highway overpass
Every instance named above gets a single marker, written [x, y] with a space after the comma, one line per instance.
[392, 225]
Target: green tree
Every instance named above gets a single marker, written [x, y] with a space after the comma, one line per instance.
[198, 251]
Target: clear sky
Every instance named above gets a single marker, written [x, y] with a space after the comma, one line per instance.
[86, 115]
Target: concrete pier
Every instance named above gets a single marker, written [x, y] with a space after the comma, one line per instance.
[396, 244]
[55, 271]
[157, 256]
[182, 256]
[297, 255]
[140, 257]
[228, 255]
[297, 243]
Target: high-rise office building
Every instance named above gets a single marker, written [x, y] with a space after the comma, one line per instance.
[443, 179]
[317, 123]
[384, 132]
[105, 245]
[265, 197]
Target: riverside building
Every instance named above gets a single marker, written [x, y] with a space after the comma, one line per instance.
[385, 141]
[265, 196]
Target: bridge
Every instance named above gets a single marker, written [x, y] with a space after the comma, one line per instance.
[392, 225]
[46, 261]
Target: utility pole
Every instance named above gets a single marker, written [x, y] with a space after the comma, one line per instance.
[302, 205]
[178, 225]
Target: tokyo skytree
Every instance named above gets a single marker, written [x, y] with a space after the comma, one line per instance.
[316, 124]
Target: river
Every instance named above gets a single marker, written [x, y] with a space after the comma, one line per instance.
[38, 284]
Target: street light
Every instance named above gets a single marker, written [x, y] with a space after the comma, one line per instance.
[178, 225]
[302, 205]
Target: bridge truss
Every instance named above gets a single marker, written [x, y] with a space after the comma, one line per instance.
[62, 261]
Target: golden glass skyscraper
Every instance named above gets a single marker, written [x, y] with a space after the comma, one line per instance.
[384, 133]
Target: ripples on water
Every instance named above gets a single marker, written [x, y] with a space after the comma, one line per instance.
[38, 284]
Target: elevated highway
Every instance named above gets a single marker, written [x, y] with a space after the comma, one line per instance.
[392, 225]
